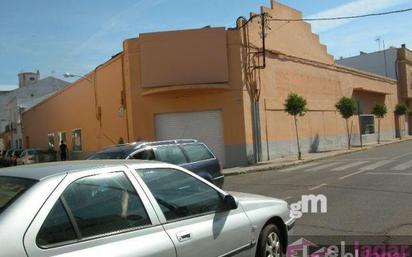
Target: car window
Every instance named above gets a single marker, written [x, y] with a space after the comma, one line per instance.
[99, 205]
[11, 189]
[179, 194]
[145, 155]
[109, 155]
[170, 154]
[197, 152]
[57, 228]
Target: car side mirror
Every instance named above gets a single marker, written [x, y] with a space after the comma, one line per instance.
[229, 203]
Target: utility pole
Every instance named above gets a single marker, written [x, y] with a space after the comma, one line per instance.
[360, 125]
[254, 91]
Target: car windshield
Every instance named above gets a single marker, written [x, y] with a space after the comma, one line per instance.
[109, 155]
[11, 189]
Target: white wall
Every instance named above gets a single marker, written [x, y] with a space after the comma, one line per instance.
[374, 62]
[25, 97]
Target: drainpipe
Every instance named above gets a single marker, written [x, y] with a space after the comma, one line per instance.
[257, 143]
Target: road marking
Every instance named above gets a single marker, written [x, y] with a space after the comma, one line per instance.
[369, 167]
[323, 166]
[350, 165]
[352, 174]
[297, 167]
[287, 198]
[402, 155]
[390, 173]
[403, 166]
[376, 165]
[317, 187]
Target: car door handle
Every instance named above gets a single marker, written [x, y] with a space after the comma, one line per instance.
[183, 236]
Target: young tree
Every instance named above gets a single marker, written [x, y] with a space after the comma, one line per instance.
[379, 110]
[401, 109]
[347, 108]
[295, 105]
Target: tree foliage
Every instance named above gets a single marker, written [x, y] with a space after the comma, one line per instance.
[295, 105]
[380, 110]
[346, 107]
[401, 109]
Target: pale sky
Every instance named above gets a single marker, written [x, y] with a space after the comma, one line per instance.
[76, 36]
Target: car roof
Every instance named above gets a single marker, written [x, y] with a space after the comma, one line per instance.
[43, 170]
[141, 144]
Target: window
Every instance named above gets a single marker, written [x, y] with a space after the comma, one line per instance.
[367, 124]
[51, 140]
[57, 228]
[170, 154]
[197, 152]
[11, 189]
[113, 155]
[99, 205]
[77, 140]
[62, 137]
[145, 155]
[179, 194]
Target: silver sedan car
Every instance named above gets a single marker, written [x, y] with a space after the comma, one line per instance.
[132, 208]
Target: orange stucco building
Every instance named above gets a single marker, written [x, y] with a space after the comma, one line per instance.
[216, 85]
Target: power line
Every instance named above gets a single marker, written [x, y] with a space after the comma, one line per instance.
[345, 17]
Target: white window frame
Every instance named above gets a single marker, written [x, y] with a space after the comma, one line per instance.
[73, 140]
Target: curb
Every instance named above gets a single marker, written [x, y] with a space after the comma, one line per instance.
[257, 169]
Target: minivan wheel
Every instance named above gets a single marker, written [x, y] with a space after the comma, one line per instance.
[269, 244]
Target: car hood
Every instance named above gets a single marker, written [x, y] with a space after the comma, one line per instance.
[252, 202]
[246, 198]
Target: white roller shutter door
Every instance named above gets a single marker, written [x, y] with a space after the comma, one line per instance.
[204, 126]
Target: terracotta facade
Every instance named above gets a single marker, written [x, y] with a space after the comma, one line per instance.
[212, 69]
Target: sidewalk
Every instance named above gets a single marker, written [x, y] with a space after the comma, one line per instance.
[308, 157]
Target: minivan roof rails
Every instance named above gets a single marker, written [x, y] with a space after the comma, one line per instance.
[168, 142]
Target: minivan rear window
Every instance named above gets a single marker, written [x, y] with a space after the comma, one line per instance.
[197, 152]
[11, 189]
[108, 155]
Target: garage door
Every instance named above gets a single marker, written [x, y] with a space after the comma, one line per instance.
[203, 126]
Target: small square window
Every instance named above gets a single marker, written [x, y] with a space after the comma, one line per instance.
[77, 140]
[367, 124]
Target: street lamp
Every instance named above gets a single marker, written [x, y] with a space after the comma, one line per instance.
[72, 75]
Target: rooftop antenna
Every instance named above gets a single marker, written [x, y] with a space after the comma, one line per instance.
[378, 40]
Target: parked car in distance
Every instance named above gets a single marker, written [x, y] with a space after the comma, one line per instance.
[95, 208]
[6, 160]
[15, 157]
[2, 155]
[187, 153]
[35, 155]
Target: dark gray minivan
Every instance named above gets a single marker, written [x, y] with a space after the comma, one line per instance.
[187, 153]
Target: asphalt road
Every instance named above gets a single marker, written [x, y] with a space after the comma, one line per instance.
[369, 193]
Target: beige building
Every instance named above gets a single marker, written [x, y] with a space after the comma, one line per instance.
[217, 85]
[395, 63]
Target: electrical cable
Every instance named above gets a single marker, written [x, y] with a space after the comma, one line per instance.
[345, 17]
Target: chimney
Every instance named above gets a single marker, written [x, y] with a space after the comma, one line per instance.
[272, 4]
[403, 45]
